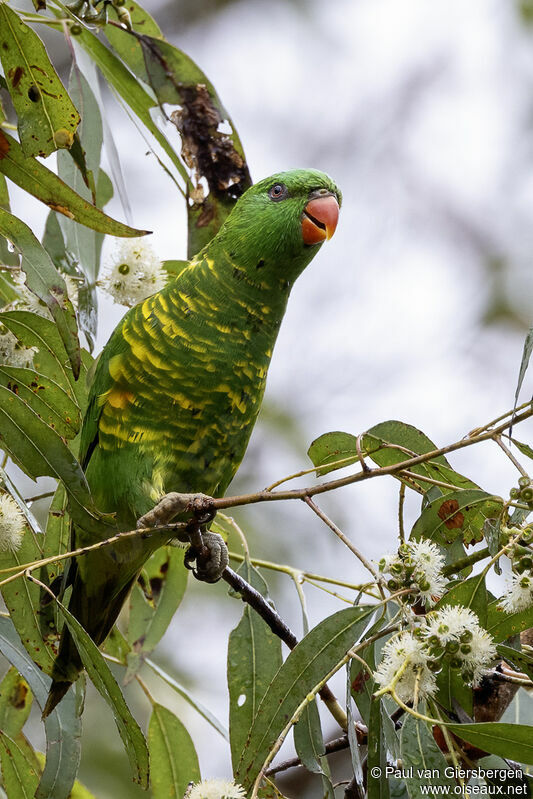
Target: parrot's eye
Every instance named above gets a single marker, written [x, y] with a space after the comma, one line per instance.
[278, 192]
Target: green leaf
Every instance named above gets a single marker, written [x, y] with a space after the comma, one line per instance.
[7, 256]
[507, 740]
[330, 448]
[377, 781]
[393, 442]
[310, 747]
[39, 451]
[45, 282]
[308, 663]
[458, 514]
[422, 758]
[525, 449]
[100, 674]
[254, 657]
[471, 593]
[62, 727]
[84, 245]
[502, 625]
[47, 117]
[41, 182]
[524, 363]
[153, 602]
[19, 775]
[173, 758]
[121, 79]
[15, 703]
[51, 359]
[45, 397]
[56, 542]
[520, 661]
[23, 601]
[127, 47]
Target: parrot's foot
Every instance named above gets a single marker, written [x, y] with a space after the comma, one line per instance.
[174, 504]
[209, 554]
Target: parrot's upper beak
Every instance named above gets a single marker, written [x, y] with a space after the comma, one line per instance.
[319, 219]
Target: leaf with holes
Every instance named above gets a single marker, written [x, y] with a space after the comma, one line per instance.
[212, 153]
[254, 657]
[309, 662]
[47, 117]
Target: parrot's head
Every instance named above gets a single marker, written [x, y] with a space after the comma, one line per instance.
[280, 223]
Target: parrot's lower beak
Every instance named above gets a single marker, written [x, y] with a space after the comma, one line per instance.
[320, 219]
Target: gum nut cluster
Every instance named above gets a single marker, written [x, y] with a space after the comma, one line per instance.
[524, 492]
[12, 524]
[417, 566]
[134, 273]
[454, 636]
[216, 789]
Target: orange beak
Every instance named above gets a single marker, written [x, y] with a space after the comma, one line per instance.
[320, 219]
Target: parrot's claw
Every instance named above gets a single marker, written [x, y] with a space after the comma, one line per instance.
[174, 504]
[210, 556]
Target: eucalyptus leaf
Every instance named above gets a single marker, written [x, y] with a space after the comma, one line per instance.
[62, 727]
[254, 657]
[42, 183]
[173, 758]
[47, 117]
[308, 663]
[45, 282]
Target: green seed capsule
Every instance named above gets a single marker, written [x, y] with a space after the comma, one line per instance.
[456, 663]
[524, 481]
[465, 649]
[452, 647]
[466, 636]
[513, 493]
[527, 494]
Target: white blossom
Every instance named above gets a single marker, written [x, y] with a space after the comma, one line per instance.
[12, 352]
[134, 273]
[519, 593]
[450, 622]
[418, 565]
[216, 789]
[31, 302]
[454, 632]
[482, 653]
[416, 678]
[12, 524]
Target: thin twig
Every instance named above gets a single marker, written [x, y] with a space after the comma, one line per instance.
[511, 457]
[338, 532]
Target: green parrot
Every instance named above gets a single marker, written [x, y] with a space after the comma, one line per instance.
[177, 390]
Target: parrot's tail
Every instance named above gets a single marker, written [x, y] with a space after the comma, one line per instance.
[66, 670]
[58, 689]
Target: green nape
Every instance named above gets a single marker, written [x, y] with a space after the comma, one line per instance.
[178, 387]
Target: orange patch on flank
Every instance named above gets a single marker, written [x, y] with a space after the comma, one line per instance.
[453, 521]
[119, 399]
